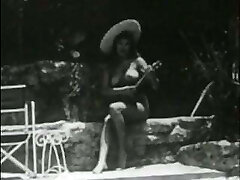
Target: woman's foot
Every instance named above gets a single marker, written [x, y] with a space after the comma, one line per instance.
[99, 168]
[122, 159]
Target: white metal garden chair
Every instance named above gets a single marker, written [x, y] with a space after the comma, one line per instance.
[13, 101]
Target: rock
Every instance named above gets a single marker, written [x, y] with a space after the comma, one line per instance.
[234, 171]
[220, 155]
[193, 123]
[166, 125]
[179, 134]
[165, 135]
[160, 125]
[153, 154]
[157, 139]
[169, 130]
[83, 145]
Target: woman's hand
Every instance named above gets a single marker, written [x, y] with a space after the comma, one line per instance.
[152, 78]
[149, 69]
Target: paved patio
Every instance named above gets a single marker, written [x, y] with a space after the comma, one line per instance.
[151, 172]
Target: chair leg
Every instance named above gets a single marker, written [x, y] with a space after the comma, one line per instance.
[8, 148]
[57, 157]
[26, 153]
[34, 137]
[64, 158]
[34, 154]
[17, 163]
[7, 155]
[50, 157]
[43, 157]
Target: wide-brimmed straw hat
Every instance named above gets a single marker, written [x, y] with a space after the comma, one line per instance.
[129, 25]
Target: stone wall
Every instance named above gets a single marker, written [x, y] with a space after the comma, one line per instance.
[159, 140]
[83, 145]
[156, 141]
[162, 140]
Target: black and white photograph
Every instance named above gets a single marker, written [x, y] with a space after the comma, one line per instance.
[120, 89]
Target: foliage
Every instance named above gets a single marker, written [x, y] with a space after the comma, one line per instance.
[210, 65]
[70, 31]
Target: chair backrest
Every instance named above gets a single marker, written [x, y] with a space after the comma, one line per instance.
[13, 96]
[13, 100]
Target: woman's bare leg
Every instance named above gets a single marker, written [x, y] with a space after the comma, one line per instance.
[104, 146]
[118, 121]
[116, 115]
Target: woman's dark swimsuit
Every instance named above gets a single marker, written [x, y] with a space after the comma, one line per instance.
[127, 74]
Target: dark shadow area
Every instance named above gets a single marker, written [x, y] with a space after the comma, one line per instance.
[197, 42]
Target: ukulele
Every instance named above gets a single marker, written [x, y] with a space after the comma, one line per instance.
[153, 67]
[131, 99]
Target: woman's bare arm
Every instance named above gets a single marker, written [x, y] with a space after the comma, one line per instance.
[144, 68]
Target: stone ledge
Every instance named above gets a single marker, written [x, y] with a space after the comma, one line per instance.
[166, 125]
[83, 146]
[152, 142]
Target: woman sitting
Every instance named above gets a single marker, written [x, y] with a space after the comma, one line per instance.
[127, 104]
